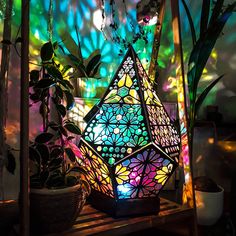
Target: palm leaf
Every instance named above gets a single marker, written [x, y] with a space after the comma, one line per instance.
[204, 17]
[93, 63]
[190, 20]
[203, 49]
[216, 11]
[203, 95]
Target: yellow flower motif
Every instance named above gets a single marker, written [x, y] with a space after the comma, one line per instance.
[122, 174]
[163, 174]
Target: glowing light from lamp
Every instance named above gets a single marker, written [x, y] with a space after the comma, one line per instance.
[98, 20]
[124, 189]
[139, 157]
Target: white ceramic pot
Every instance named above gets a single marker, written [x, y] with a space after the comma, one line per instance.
[209, 206]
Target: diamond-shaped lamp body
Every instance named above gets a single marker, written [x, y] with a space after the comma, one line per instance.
[130, 147]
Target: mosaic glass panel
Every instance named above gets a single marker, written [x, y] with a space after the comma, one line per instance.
[97, 170]
[142, 175]
[132, 132]
[119, 126]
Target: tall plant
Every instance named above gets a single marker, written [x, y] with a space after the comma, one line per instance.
[211, 26]
[53, 155]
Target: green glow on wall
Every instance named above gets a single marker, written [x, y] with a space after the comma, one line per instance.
[70, 13]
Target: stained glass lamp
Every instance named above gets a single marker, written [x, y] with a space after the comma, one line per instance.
[130, 147]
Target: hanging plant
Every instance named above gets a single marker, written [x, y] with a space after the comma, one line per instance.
[111, 29]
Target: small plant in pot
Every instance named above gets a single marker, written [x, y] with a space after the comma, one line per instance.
[85, 71]
[209, 200]
[58, 187]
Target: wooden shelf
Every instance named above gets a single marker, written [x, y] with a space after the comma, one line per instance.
[94, 222]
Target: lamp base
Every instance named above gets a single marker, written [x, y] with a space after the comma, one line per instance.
[124, 207]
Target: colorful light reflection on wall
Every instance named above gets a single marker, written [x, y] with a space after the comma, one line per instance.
[130, 147]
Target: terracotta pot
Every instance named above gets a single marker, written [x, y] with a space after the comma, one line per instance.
[209, 206]
[55, 210]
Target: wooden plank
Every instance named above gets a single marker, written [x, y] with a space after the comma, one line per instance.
[94, 222]
[113, 227]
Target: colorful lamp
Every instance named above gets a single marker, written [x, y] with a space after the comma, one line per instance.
[130, 147]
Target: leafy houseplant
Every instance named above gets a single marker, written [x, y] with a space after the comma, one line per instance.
[85, 71]
[211, 26]
[53, 156]
[86, 74]
[209, 200]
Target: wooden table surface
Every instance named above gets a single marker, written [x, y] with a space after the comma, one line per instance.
[94, 222]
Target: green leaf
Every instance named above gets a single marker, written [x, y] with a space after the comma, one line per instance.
[45, 83]
[54, 72]
[79, 65]
[11, 162]
[53, 126]
[43, 109]
[34, 155]
[34, 97]
[59, 91]
[56, 152]
[62, 49]
[71, 127]
[56, 161]
[75, 59]
[34, 75]
[44, 152]
[55, 179]
[96, 69]
[61, 109]
[66, 68]
[203, 95]
[216, 11]
[92, 64]
[203, 48]
[44, 137]
[190, 20]
[70, 102]
[47, 52]
[70, 154]
[204, 17]
[55, 45]
[43, 177]
[62, 82]
[63, 131]
[71, 180]
[78, 169]
[70, 86]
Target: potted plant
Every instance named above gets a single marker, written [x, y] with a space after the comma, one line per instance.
[58, 188]
[85, 71]
[209, 200]
[211, 26]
